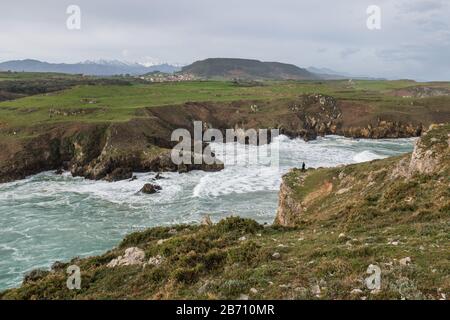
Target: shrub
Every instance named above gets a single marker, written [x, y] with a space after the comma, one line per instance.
[214, 259]
[187, 275]
[137, 239]
[237, 224]
[249, 253]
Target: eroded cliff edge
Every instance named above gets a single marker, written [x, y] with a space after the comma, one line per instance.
[415, 185]
[112, 151]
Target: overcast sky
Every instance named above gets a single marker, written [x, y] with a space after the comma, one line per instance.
[414, 40]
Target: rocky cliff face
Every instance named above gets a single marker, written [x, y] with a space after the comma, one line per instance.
[127, 149]
[384, 129]
[320, 115]
[288, 207]
[113, 150]
[414, 182]
[421, 92]
[431, 152]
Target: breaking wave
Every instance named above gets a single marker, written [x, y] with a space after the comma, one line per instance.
[49, 217]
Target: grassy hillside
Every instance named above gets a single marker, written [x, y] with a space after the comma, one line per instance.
[16, 85]
[225, 68]
[5, 75]
[393, 213]
[100, 102]
[237, 258]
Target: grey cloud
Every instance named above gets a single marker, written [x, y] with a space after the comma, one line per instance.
[324, 33]
[422, 6]
[348, 52]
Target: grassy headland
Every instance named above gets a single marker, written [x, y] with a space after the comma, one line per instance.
[103, 102]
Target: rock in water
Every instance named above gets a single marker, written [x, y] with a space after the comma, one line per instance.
[182, 168]
[159, 176]
[149, 188]
[119, 174]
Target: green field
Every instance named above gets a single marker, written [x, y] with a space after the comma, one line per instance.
[119, 102]
[35, 76]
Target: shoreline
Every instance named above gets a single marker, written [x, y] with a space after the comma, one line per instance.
[324, 237]
[170, 181]
[155, 172]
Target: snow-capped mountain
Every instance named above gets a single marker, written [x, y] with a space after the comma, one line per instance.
[110, 62]
[89, 67]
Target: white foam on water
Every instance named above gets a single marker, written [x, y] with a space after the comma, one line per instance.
[48, 217]
[366, 155]
[237, 180]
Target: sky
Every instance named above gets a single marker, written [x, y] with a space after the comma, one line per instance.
[413, 41]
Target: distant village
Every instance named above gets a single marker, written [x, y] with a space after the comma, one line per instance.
[167, 77]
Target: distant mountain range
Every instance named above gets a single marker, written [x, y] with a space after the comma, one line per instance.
[213, 68]
[96, 68]
[226, 68]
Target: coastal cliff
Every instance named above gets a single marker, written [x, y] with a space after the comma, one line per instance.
[376, 188]
[332, 224]
[112, 151]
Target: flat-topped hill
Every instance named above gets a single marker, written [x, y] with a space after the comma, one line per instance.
[226, 68]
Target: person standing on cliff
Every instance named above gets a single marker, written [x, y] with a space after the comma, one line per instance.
[303, 166]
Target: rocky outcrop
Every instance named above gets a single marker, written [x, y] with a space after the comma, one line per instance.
[388, 185]
[149, 188]
[35, 275]
[321, 115]
[95, 152]
[133, 256]
[120, 164]
[318, 115]
[289, 208]
[422, 92]
[383, 129]
[119, 174]
[430, 152]
[58, 147]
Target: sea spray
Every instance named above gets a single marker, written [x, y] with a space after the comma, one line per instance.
[50, 217]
